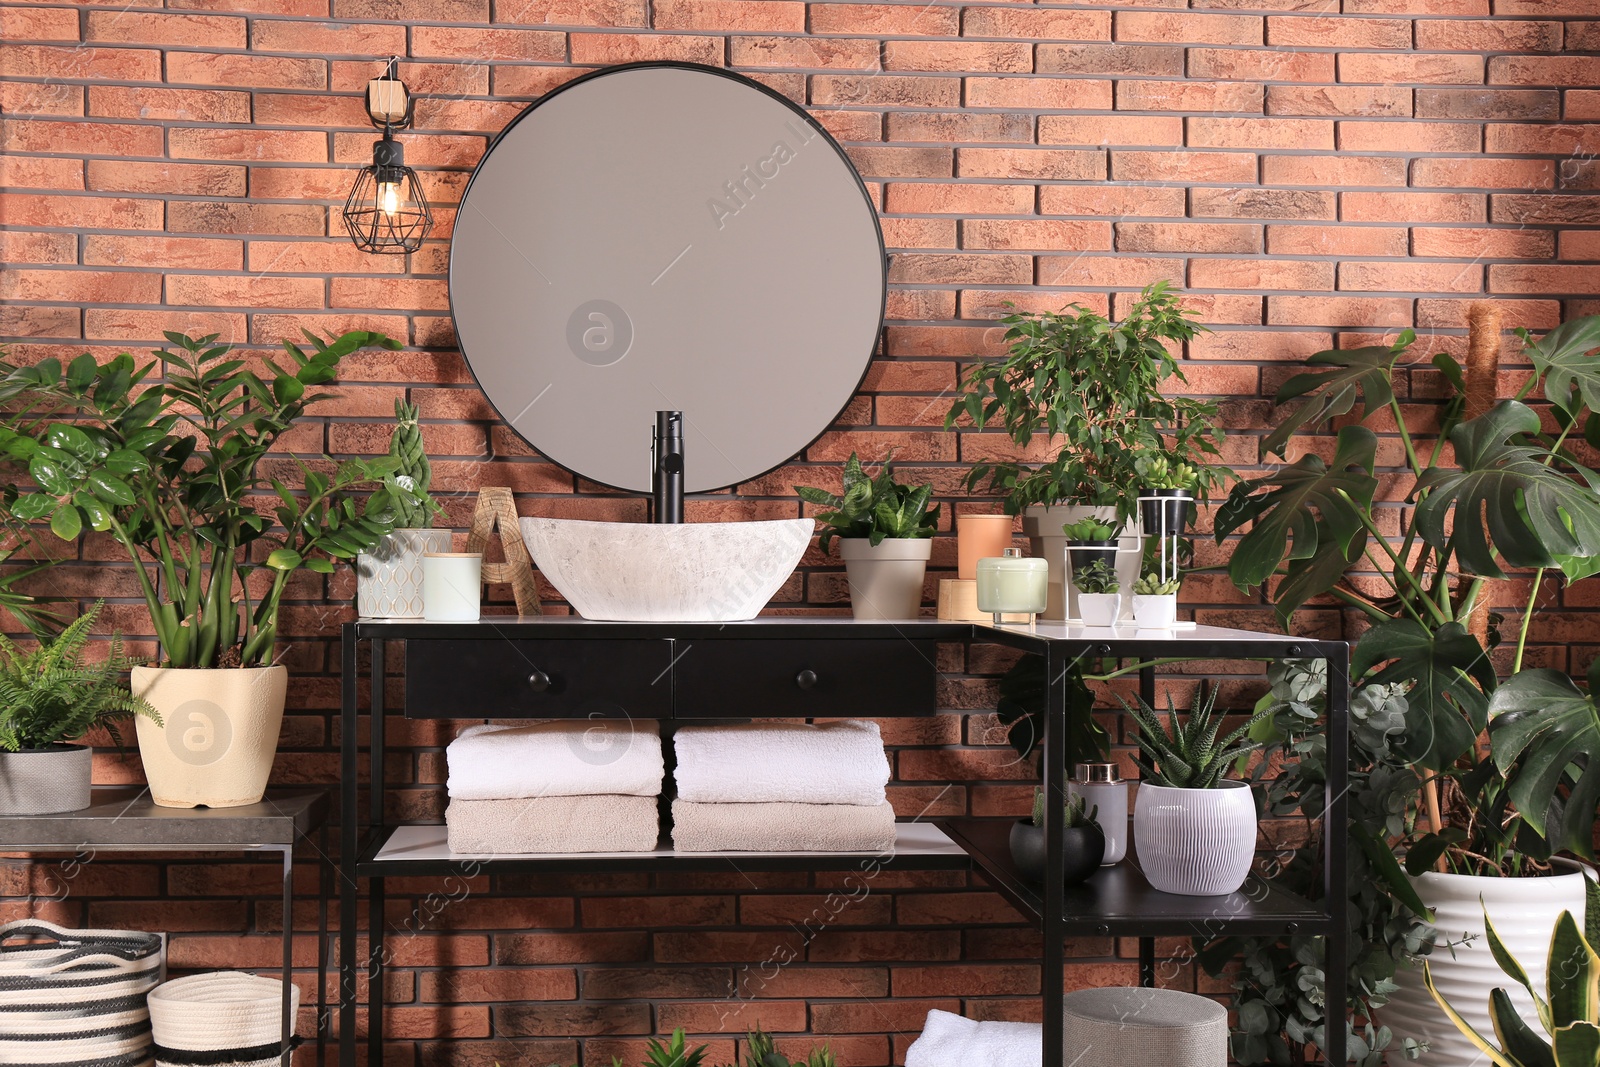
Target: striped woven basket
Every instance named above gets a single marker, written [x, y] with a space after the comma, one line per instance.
[220, 1019]
[76, 998]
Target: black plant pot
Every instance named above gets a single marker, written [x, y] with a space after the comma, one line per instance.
[1082, 849]
[1170, 513]
[1081, 554]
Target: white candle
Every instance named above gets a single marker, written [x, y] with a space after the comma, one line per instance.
[452, 586]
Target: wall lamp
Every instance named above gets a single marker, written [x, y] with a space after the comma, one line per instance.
[386, 211]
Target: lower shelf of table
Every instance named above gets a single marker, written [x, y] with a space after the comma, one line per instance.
[423, 850]
[1117, 900]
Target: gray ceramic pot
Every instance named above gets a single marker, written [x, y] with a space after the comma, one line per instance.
[42, 781]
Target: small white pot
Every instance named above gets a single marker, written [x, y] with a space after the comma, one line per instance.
[389, 578]
[886, 580]
[42, 781]
[218, 733]
[1155, 612]
[1099, 609]
[1524, 911]
[1195, 842]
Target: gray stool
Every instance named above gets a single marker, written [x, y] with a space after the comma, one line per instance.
[1119, 1026]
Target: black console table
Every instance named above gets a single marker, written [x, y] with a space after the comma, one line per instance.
[123, 819]
[562, 666]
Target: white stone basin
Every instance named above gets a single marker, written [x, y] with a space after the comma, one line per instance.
[688, 572]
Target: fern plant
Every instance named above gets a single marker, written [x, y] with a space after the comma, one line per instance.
[1190, 754]
[53, 694]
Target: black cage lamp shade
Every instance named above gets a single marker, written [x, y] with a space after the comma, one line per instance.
[387, 211]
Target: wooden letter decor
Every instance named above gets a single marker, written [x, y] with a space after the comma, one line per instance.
[497, 508]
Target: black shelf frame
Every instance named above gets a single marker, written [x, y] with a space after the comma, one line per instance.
[1116, 901]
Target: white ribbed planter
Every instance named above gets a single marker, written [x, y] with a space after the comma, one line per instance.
[1524, 911]
[886, 580]
[1042, 526]
[389, 578]
[1195, 842]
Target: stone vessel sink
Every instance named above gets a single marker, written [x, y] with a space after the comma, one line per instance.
[689, 572]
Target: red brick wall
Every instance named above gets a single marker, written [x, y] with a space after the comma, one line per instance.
[1315, 176]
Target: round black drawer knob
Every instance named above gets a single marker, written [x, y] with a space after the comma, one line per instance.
[806, 679]
[538, 681]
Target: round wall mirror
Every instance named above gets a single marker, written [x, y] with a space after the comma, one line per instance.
[667, 237]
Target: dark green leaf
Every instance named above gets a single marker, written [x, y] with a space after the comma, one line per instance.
[1449, 677]
[1359, 373]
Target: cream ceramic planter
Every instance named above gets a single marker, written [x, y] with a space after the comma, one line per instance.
[885, 581]
[42, 781]
[1099, 609]
[1524, 911]
[1195, 842]
[1042, 526]
[218, 736]
[1155, 611]
[389, 578]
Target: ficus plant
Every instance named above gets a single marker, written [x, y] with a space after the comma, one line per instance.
[1092, 388]
[166, 457]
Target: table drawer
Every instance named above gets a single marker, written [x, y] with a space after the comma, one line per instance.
[733, 678]
[510, 679]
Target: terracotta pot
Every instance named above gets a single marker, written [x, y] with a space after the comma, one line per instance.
[885, 581]
[218, 736]
[42, 781]
[389, 578]
[980, 537]
[1524, 911]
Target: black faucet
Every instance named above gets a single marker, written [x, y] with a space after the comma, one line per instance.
[667, 463]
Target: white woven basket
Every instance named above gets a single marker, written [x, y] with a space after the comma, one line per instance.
[219, 1012]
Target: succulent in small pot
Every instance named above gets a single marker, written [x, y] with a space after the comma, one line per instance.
[50, 697]
[1099, 602]
[1155, 602]
[1166, 496]
[884, 531]
[389, 575]
[1194, 831]
[1083, 843]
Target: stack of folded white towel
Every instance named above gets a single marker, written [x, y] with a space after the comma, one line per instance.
[954, 1041]
[782, 787]
[564, 786]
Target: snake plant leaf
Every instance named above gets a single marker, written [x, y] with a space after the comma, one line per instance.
[1541, 724]
[1500, 1059]
[1577, 1045]
[1364, 374]
[1450, 675]
[1574, 978]
[1505, 499]
[1305, 511]
[1514, 970]
[1563, 357]
[1517, 1039]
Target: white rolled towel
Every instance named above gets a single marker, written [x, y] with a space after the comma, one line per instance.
[563, 758]
[761, 762]
[954, 1041]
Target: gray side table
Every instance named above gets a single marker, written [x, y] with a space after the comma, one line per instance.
[123, 819]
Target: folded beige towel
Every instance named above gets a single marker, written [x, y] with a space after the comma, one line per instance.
[597, 823]
[780, 826]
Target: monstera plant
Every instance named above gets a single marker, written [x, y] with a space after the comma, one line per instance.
[1494, 496]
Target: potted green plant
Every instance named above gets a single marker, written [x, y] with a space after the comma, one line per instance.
[1194, 829]
[171, 459]
[1155, 602]
[389, 576]
[884, 530]
[1099, 598]
[1091, 388]
[1441, 826]
[1166, 494]
[1083, 843]
[50, 697]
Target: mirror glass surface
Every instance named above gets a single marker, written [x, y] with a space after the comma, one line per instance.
[667, 237]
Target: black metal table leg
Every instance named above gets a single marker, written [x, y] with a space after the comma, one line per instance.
[349, 840]
[286, 1049]
[1335, 832]
[1147, 962]
[376, 907]
[324, 891]
[1053, 774]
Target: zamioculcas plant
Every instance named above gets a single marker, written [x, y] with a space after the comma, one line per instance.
[171, 465]
[1190, 754]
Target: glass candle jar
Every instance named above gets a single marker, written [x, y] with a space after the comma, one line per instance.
[1011, 583]
[452, 586]
[1103, 791]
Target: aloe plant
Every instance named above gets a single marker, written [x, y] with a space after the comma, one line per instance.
[1193, 754]
[761, 1051]
[674, 1053]
[1569, 1012]
[873, 507]
[1075, 812]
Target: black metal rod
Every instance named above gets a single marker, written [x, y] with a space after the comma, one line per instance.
[1053, 775]
[286, 1005]
[1335, 837]
[667, 467]
[349, 830]
[377, 906]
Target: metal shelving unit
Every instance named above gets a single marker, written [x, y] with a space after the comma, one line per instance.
[123, 819]
[1116, 901]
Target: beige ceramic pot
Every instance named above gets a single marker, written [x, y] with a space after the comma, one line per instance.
[886, 579]
[218, 736]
